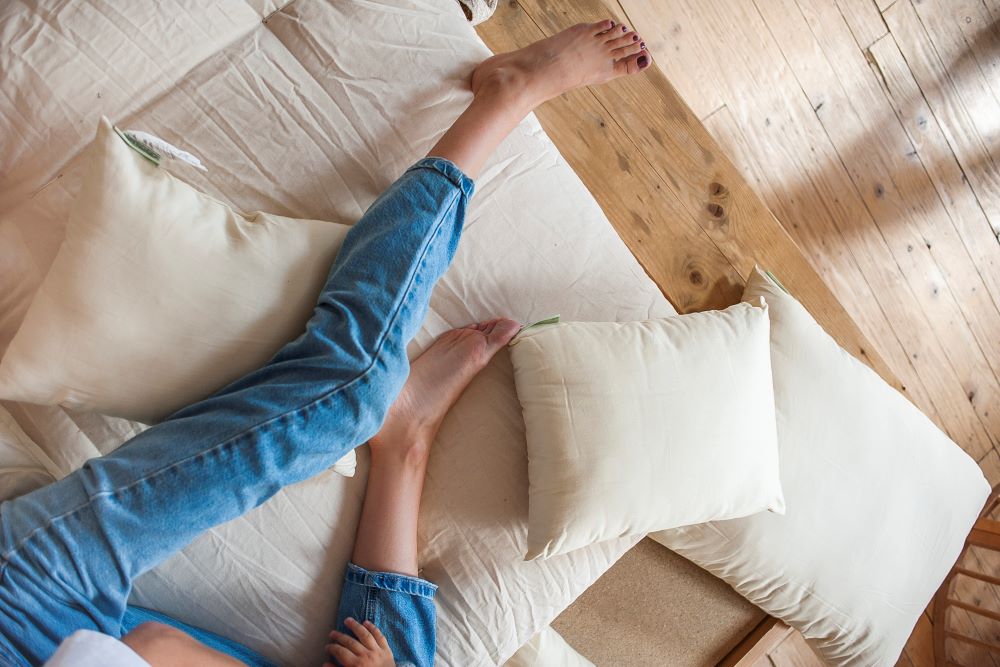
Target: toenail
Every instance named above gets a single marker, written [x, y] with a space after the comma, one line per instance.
[624, 29]
[635, 38]
[642, 61]
[642, 45]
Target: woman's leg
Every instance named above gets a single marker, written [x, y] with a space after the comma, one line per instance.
[381, 584]
[70, 551]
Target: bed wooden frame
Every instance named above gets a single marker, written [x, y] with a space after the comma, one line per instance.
[676, 200]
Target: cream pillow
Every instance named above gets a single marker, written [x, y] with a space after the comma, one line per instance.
[640, 426]
[879, 501]
[547, 649]
[159, 294]
[23, 465]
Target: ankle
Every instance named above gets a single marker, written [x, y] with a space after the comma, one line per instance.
[411, 450]
[507, 88]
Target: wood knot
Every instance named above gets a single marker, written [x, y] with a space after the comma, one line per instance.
[716, 210]
[696, 277]
[717, 189]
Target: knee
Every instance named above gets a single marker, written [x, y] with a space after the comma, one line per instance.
[161, 644]
[151, 638]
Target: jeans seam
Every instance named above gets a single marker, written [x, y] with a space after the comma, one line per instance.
[397, 308]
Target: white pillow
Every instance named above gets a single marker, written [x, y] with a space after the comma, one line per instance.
[879, 501]
[160, 294]
[23, 465]
[547, 649]
[640, 426]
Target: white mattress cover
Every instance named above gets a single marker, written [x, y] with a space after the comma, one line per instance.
[312, 113]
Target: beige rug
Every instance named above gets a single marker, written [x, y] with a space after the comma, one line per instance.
[654, 608]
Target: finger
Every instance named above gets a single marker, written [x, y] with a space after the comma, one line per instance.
[377, 634]
[361, 632]
[343, 656]
[347, 642]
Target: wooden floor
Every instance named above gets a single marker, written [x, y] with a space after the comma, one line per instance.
[871, 128]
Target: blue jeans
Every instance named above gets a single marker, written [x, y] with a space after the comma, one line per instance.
[70, 551]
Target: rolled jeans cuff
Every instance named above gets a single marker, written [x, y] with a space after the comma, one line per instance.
[449, 170]
[389, 581]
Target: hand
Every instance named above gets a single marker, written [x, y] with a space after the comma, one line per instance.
[368, 647]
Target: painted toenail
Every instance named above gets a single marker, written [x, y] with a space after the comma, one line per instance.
[642, 45]
[624, 29]
[642, 61]
[635, 38]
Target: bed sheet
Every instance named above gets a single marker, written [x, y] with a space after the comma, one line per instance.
[310, 110]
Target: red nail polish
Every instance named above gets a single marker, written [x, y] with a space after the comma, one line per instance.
[635, 38]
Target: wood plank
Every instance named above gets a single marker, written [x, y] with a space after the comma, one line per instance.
[956, 92]
[690, 166]
[898, 195]
[816, 199]
[919, 648]
[990, 465]
[794, 652]
[753, 649]
[982, 36]
[935, 155]
[865, 20]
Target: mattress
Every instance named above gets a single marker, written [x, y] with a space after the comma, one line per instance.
[310, 109]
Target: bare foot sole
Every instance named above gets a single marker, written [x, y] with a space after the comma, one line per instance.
[437, 378]
[584, 55]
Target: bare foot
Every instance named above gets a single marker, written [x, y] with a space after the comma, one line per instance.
[586, 54]
[437, 378]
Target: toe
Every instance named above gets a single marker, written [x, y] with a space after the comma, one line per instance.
[633, 64]
[617, 33]
[627, 39]
[602, 27]
[628, 50]
[503, 330]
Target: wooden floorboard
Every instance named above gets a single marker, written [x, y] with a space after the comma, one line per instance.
[727, 46]
[870, 128]
[896, 191]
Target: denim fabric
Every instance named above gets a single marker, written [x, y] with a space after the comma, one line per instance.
[70, 551]
[401, 607]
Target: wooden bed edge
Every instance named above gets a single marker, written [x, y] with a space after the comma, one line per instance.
[765, 636]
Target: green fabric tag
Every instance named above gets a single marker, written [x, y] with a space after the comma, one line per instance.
[777, 282]
[145, 152]
[548, 320]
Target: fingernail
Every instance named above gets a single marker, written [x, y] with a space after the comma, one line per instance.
[642, 61]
